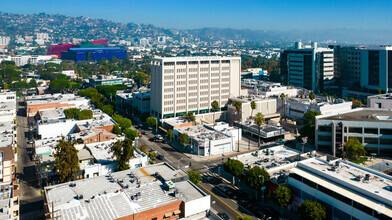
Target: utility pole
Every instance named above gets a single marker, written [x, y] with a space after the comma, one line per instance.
[51, 214]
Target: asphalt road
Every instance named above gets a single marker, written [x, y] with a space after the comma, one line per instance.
[31, 200]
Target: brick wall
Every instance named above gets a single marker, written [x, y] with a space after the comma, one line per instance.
[33, 109]
[158, 212]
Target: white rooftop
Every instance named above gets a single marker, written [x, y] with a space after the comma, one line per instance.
[360, 180]
[117, 195]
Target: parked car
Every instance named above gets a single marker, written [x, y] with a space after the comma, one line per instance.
[140, 134]
[223, 188]
[224, 216]
[30, 141]
[158, 137]
[145, 132]
[160, 157]
[151, 139]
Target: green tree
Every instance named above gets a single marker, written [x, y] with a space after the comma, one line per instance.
[312, 96]
[169, 134]
[152, 121]
[311, 210]
[123, 122]
[190, 116]
[116, 129]
[108, 91]
[354, 148]
[309, 128]
[123, 152]
[131, 133]
[283, 98]
[238, 106]
[141, 78]
[257, 177]
[108, 109]
[152, 154]
[71, 113]
[214, 106]
[234, 167]
[85, 114]
[243, 218]
[32, 83]
[253, 107]
[259, 121]
[183, 140]
[282, 196]
[66, 163]
[356, 103]
[194, 177]
[143, 148]
[59, 85]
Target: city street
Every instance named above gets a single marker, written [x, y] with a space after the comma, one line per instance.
[31, 200]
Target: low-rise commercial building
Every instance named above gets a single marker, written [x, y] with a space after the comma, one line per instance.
[380, 101]
[267, 89]
[372, 127]
[347, 190]
[265, 106]
[51, 101]
[100, 80]
[154, 192]
[296, 108]
[206, 140]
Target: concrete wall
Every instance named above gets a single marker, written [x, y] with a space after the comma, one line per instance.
[198, 205]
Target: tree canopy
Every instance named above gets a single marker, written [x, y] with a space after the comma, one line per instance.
[75, 113]
[354, 148]
[194, 177]
[123, 122]
[257, 177]
[116, 129]
[183, 140]
[312, 96]
[259, 121]
[309, 128]
[311, 210]
[123, 152]
[282, 196]
[234, 167]
[243, 218]
[152, 121]
[169, 134]
[66, 160]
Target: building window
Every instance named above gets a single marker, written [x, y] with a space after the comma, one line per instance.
[385, 141]
[386, 131]
[355, 130]
[371, 130]
[325, 128]
[371, 140]
[363, 208]
[324, 138]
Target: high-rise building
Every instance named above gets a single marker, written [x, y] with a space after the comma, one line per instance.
[183, 84]
[368, 68]
[309, 67]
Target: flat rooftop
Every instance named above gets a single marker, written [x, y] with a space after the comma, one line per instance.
[351, 177]
[52, 98]
[194, 58]
[362, 114]
[269, 158]
[118, 195]
[202, 133]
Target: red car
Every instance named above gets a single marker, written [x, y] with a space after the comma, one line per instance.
[140, 134]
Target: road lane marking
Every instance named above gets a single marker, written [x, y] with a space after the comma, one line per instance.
[220, 200]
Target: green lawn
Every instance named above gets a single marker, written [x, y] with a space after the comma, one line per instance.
[360, 160]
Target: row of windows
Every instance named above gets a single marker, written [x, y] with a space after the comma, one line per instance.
[168, 90]
[181, 76]
[181, 70]
[225, 79]
[170, 96]
[181, 83]
[358, 130]
[170, 102]
[215, 80]
[169, 77]
[204, 81]
[334, 194]
[181, 95]
[214, 68]
[225, 68]
[181, 101]
[192, 69]
[168, 109]
[204, 69]
[169, 71]
[192, 81]
[181, 89]
[180, 108]
[192, 94]
[166, 84]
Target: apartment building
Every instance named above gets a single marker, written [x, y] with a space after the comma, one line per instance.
[183, 84]
[309, 67]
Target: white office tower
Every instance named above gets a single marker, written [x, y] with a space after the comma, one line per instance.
[4, 41]
[308, 66]
[183, 84]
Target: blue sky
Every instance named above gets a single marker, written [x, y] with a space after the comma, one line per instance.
[253, 14]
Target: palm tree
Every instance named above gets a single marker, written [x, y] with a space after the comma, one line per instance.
[283, 98]
[237, 105]
[214, 106]
[259, 121]
[190, 116]
[253, 107]
[312, 96]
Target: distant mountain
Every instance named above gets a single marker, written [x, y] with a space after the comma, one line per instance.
[64, 28]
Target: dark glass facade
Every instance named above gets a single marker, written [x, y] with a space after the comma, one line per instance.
[374, 68]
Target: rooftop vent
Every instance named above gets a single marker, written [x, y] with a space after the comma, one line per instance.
[80, 196]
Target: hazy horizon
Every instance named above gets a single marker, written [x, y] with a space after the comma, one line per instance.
[254, 15]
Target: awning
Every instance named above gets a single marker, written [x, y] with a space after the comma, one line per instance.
[167, 215]
[177, 212]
